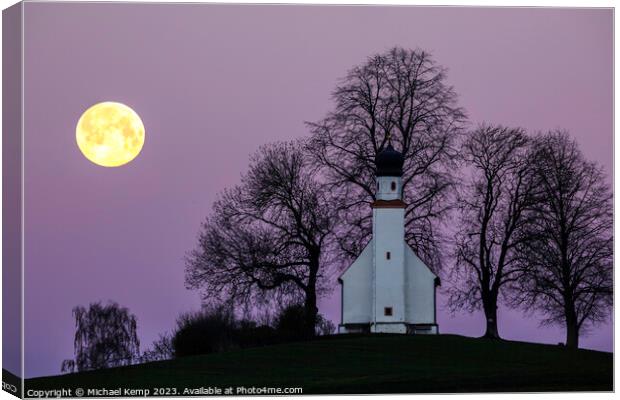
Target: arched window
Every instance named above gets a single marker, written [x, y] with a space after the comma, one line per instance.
[393, 185]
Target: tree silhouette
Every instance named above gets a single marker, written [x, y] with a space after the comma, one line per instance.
[161, 349]
[567, 251]
[105, 336]
[268, 235]
[402, 93]
[493, 210]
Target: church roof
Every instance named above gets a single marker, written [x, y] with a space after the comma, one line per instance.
[369, 247]
[389, 162]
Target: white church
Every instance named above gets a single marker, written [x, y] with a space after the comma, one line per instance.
[388, 289]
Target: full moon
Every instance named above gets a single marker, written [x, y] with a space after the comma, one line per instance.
[110, 134]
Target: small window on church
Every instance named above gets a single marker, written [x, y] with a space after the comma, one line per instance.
[387, 311]
[388, 255]
[393, 185]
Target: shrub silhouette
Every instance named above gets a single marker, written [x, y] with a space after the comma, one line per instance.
[203, 332]
[248, 334]
[215, 330]
[290, 324]
[324, 326]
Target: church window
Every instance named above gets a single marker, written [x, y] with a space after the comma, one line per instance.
[388, 255]
[387, 311]
[393, 185]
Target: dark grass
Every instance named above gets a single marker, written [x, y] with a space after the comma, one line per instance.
[369, 364]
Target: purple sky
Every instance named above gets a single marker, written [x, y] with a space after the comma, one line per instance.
[211, 84]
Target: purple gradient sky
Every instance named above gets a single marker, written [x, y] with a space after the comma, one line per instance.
[211, 84]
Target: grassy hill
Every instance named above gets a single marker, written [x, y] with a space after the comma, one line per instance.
[368, 364]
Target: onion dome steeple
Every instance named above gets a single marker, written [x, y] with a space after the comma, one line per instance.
[389, 162]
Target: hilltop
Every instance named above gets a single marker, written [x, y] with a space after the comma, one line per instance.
[367, 364]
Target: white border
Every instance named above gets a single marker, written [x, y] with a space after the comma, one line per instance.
[459, 3]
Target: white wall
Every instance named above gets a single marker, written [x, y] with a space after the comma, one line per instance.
[357, 286]
[389, 328]
[420, 290]
[388, 234]
[384, 188]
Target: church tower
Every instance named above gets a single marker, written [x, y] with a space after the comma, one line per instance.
[388, 212]
[388, 288]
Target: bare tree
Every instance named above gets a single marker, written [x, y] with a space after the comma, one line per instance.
[268, 235]
[105, 337]
[567, 257]
[404, 94]
[161, 349]
[492, 213]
